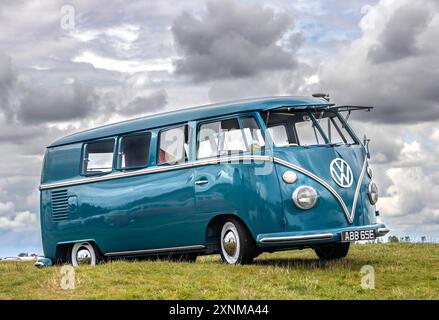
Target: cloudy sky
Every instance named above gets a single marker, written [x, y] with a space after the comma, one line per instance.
[68, 66]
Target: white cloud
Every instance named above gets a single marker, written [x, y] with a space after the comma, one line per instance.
[10, 220]
[125, 65]
[435, 139]
[393, 65]
[411, 201]
[6, 208]
[23, 221]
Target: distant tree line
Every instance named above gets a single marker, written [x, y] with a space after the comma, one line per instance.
[395, 239]
[25, 254]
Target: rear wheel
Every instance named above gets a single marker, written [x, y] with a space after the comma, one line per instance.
[236, 243]
[84, 253]
[332, 251]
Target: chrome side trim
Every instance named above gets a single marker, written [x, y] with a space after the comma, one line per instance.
[76, 241]
[153, 170]
[382, 231]
[289, 239]
[160, 250]
[349, 215]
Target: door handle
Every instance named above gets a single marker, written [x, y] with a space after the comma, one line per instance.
[201, 182]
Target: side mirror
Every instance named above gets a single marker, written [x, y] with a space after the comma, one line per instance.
[366, 142]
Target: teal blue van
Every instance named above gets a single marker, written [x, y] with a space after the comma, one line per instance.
[238, 179]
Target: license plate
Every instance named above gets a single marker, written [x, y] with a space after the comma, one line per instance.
[357, 235]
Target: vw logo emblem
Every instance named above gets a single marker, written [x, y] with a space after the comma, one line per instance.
[341, 173]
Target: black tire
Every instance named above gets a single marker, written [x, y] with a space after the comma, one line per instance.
[332, 251]
[240, 248]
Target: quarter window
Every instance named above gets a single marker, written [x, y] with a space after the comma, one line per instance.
[134, 150]
[98, 157]
[173, 145]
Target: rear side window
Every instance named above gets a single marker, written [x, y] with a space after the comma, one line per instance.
[173, 145]
[98, 157]
[134, 150]
[220, 138]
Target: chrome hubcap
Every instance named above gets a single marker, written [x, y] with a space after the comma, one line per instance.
[230, 246]
[83, 256]
[229, 243]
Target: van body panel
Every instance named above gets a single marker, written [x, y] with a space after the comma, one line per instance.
[134, 213]
[327, 213]
[234, 188]
[171, 206]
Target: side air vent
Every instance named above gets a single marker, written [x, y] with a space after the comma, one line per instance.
[60, 205]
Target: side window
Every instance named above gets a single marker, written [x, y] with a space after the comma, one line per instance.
[279, 135]
[220, 138]
[98, 157]
[134, 150]
[252, 133]
[173, 145]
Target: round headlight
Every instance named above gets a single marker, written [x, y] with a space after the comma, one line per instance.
[369, 172]
[373, 192]
[305, 197]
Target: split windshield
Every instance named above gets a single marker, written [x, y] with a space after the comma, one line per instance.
[298, 128]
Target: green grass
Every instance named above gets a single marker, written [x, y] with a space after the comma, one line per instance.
[402, 271]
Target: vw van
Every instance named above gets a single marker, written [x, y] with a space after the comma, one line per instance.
[237, 178]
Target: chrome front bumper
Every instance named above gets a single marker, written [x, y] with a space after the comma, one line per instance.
[331, 235]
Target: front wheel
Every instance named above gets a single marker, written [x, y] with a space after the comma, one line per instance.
[237, 245]
[84, 253]
[332, 251]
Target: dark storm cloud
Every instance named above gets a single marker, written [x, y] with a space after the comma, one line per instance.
[67, 102]
[7, 82]
[231, 40]
[399, 39]
[141, 105]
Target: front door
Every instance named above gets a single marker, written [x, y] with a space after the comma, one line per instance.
[231, 180]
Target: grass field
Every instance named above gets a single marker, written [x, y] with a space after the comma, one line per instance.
[402, 271]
